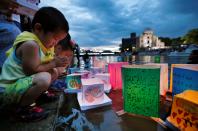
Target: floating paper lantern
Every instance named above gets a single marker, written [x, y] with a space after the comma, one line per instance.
[141, 84]
[101, 63]
[73, 70]
[92, 91]
[114, 70]
[74, 83]
[105, 77]
[163, 77]
[183, 77]
[84, 74]
[86, 106]
[184, 112]
[95, 70]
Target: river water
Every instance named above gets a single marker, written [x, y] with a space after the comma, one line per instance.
[136, 59]
[105, 118]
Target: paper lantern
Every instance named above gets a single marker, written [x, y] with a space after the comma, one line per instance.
[95, 70]
[84, 74]
[114, 70]
[101, 63]
[73, 70]
[105, 77]
[163, 77]
[106, 69]
[86, 106]
[92, 91]
[93, 95]
[157, 59]
[183, 77]
[184, 112]
[74, 83]
[141, 85]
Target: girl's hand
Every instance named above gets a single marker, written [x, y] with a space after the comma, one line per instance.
[61, 61]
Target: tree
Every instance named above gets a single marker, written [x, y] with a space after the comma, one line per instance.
[177, 41]
[120, 48]
[191, 36]
[166, 40]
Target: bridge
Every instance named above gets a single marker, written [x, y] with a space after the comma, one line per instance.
[99, 53]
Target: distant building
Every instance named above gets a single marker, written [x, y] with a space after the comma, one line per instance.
[148, 40]
[128, 43]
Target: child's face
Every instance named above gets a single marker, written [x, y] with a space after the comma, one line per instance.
[51, 39]
[69, 54]
[62, 53]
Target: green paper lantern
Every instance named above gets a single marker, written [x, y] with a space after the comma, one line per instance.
[141, 86]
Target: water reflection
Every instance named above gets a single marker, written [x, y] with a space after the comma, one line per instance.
[76, 121]
[100, 119]
[103, 60]
[105, 118]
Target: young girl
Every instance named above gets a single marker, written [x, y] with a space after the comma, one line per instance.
[63, 48]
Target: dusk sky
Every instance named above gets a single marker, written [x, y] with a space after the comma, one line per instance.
[105, 22]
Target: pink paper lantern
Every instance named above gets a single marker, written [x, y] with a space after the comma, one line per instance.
[115, 74]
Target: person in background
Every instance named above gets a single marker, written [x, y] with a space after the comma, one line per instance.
[77, 52]
[86, 59]
[8, 33]
[25, 23]
[193, 58]
[17, 21]
[31, 66]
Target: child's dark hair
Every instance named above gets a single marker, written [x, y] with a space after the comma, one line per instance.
[51, 20]
[65, 43]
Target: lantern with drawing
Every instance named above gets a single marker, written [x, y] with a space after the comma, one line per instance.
[73, 82]
[92, 95]
[184, 112]
[183, 77]
[93, 90]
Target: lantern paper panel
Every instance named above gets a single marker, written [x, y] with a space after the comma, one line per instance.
[73, 70]
[95, 70]
[26, 7]
[105, 77]
[193, 67]
[32, 4]
[92, 91]
[86, 106]
[184, 112]
[101, 63]
[74, 83]
[184, 79]
[114, 70]
[141, 84]
[85, 74]
[163, 77]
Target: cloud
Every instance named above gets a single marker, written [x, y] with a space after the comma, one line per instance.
[105, 22]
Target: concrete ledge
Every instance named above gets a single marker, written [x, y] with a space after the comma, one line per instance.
[8, 123]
